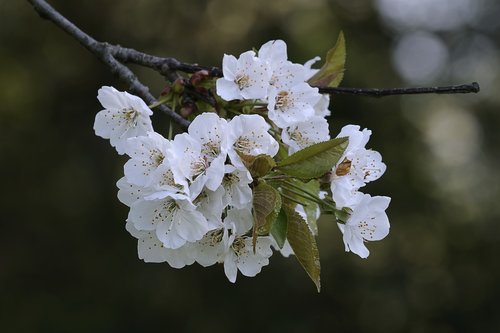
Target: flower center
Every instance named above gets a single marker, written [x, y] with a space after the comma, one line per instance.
[157, 157]
[297, 136]
[244, 144]
[238, 245]
[365, 231]
[216, 236]
[230, 178]
[283, 100]
[343, 168]
[130, 115]
[243, 81]
[211, 149]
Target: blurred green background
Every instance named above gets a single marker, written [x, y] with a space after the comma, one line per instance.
[68, 265]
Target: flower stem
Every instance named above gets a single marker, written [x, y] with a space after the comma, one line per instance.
[290, 198]
[170, 130]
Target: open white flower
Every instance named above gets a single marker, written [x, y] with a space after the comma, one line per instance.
[125, 116]
[237, 192]
[292, 105]
[211, 204]
[229, 245]
[357, 138]
[283, 72]
[244, 78]
[368, 222]
[248, 135]
[173, 217]
[239, 255]
[355, 168]
[146, 153]
[190, 163]
[213, 246]
[210, 131]
[304, 134]
[150, 249]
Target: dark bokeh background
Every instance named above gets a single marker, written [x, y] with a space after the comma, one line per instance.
[68, 265]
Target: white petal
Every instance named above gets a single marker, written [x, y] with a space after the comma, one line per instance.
[210, 249]
[230, 267]
[251, 264]
[227, 90]
[240, 219]
[128, 193]
[355, 244]
[229, 67]
[374, 168]
[146, 214]
[273, 51]
[109, 98]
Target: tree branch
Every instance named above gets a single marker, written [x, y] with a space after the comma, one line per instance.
[375, 92]
[106, 54]
[114, 56]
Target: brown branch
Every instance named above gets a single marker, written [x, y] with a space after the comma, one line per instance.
[114, 56]
[375, 92]
[106, 54]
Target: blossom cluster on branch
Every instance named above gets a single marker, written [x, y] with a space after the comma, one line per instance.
[254, 171]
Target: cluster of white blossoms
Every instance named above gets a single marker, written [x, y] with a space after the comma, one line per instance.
[300, 111]
[191, 198]
[295, 107]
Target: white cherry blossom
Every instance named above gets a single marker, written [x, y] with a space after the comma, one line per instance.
[211, 204]
[146, 153]
[239, 255]
[211, 131]
[244, 78]
[292, 105]
[355, 168]
[229, 245]
[283, 72]
[213, 247]
[304, 134]
[190, 163]
[368, 222]
[173, 217]
[150, 249]
[237, 192]
[125, 116]
[248, 135]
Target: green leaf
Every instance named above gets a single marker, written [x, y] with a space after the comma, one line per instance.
[282, 153]
[332, 72]
[303, 245]
[279, 229]
[259, 165]
[271, 218]
[314, 161]
[265, 200]
[311, 207]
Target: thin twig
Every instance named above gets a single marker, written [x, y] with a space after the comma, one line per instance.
[375, 92]
[106, 53]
